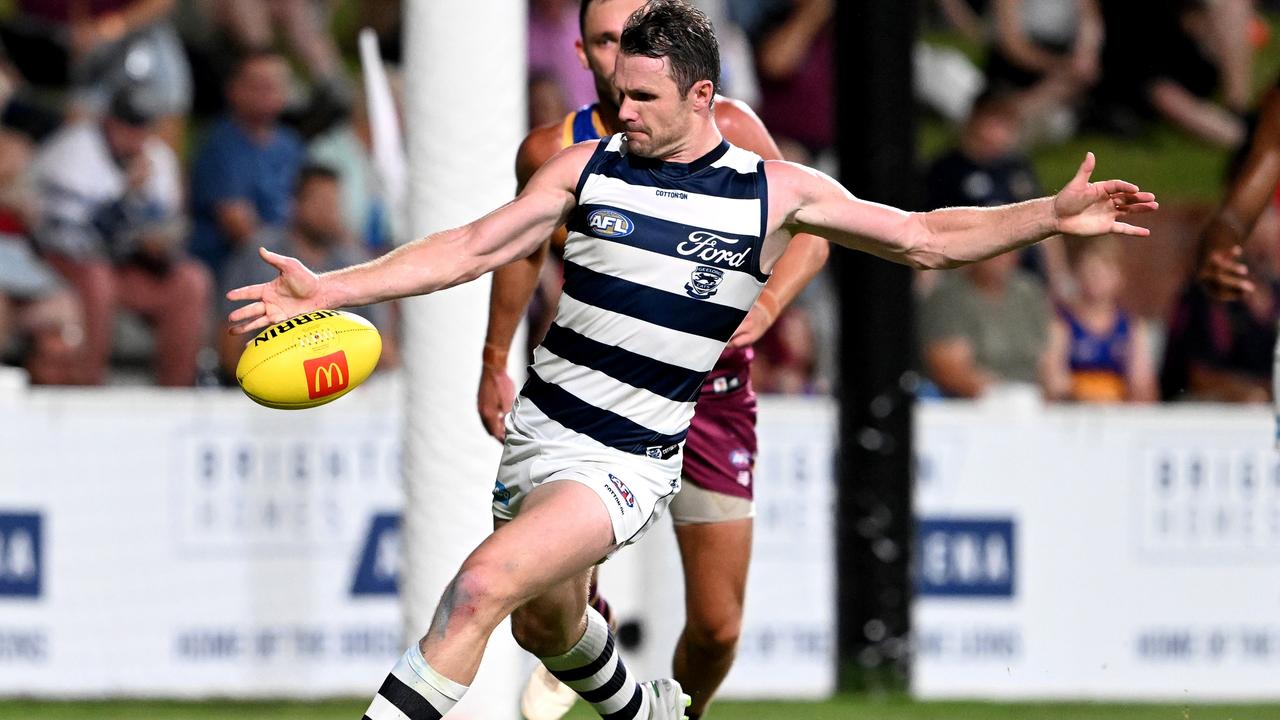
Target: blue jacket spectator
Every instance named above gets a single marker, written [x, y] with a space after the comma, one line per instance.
[244, 172]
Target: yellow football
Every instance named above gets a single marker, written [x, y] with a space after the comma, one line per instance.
[309, 359]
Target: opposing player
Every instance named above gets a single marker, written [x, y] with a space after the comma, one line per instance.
[655, 286]
[1222, 269]
[714, 510]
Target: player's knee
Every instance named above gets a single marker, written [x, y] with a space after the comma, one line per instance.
[477, 593]
[539, 633]
[716, 632]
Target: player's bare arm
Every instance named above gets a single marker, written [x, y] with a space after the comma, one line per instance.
[1221, 270]
[805, 200]
[805, 254]
[512, 288]
[426, 265]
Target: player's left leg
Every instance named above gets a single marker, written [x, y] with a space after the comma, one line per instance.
[715, 556]
[561, 531]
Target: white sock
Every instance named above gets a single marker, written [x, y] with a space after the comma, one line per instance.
[415, 691]
[594, 669]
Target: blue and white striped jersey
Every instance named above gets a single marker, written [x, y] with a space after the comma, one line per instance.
[661, 264]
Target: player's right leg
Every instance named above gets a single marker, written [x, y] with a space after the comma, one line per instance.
[562, 529]
[577, 647]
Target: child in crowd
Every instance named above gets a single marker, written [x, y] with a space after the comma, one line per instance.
[1097, 351]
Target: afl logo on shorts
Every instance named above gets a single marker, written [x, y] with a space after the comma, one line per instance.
[610, 223]
[627, 496]
[704, 281]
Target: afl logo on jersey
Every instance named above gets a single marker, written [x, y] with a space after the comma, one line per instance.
[704, 281]
[610, 223]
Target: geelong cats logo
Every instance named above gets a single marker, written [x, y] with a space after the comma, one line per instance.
[704, 281]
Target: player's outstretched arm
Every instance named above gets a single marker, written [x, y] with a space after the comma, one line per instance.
[425, 265]
[1221, 270]
[807, 201]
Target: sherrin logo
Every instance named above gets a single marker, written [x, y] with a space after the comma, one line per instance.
[327, 375]
[610, 223]
[291, 323]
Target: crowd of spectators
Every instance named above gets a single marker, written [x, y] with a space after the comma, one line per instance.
[148, 147]
[1058, 320]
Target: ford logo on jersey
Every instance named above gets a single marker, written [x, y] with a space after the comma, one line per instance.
[710, 248]
[610, 223]
[704, 282]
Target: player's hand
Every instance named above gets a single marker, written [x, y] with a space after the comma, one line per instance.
[753, 327]
[1085, 209]
[494, 400]
[1224, 275]
[295, 291]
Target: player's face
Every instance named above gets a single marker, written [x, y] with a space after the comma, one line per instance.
[598, 48]
[653, 113]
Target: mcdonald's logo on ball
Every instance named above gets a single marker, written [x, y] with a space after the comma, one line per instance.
[309, 359]
[327, 375]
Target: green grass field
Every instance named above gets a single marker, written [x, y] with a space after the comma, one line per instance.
[844, 708]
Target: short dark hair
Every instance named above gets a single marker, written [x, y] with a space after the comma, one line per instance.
[311, 172]
[245, 58]
[582, 18]
[679, 32]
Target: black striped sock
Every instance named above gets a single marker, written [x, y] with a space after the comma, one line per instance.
[594, 669]
[414, 691]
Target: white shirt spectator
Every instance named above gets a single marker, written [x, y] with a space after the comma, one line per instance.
[82, 186]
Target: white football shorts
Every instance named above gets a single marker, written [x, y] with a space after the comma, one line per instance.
[635, 489]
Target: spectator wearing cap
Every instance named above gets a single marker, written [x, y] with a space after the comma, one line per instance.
[244, 171]
[111, 223]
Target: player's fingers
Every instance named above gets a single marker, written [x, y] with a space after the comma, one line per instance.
[248, 292]
[1221, 264]
[1136, 196]
[1122, 186]
[1143, 207]
[249, 327]
[493, 424]
[1120, 228]
[1237, 284]
[280, 262]
[248, 312]
[1086, 169]
[1228, 289]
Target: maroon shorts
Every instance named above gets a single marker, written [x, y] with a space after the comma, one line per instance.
[720, 450]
